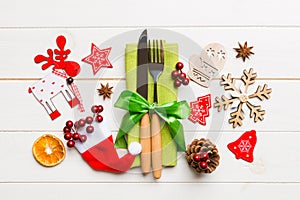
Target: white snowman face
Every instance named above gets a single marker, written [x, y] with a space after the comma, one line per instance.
[208, 64]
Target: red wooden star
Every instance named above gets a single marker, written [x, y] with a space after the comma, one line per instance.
[98, 58]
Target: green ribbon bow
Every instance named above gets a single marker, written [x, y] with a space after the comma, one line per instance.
[138, 107]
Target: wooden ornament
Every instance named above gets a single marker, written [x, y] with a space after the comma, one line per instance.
[241, 97]
[208, 64]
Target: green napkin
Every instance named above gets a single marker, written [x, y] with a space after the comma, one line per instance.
[166, 93]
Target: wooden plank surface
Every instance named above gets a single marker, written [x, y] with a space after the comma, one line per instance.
[20, 166]
[28, 28]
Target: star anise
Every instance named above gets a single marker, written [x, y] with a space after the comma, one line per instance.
[105, 91]
[243, 51]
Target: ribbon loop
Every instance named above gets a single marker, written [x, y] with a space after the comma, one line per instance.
[138, 106]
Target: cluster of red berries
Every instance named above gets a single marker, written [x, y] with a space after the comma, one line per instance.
[71, 129]
[179, 76]
[201, 158]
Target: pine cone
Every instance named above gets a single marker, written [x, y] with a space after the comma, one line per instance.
[202, 155]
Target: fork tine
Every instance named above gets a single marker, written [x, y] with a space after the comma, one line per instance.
[161, 52]
[153, 51]
[157, 51]
[149, 51]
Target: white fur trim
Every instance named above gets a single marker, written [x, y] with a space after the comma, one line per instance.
[101, 132]
[135, 148]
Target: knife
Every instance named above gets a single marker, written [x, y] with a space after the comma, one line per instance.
[142, 89]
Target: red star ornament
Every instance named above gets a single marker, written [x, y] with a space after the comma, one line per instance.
[98, 58]
[200, 109]
[244, 146]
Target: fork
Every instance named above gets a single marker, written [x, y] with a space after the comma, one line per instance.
[156, 67]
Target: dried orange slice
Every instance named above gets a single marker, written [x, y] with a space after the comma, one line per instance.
[48, 150]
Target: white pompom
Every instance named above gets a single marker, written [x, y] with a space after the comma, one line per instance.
[135, 148]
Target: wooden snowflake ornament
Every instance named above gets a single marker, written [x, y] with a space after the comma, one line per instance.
[240, 97]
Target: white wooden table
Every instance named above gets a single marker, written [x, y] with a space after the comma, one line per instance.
[30, 27]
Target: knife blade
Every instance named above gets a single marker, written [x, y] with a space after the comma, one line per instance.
[142, 89]
[142, 68]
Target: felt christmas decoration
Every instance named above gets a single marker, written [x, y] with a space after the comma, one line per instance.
[200, 109]
[244, 146]
[57, 81]
[208, 64]
[202, 155]
[98, 58]
[93, 140]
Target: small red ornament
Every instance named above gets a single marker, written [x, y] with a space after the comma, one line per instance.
[196, 157]
[178, 76]
[67, 129]
[179, 66]
[186, 81]
[182, 76]
[69, 124]
[71, 143]
[76, 124]
[175, 74]
[99, 118]
[200, 109]
[81, 123]
[95, 109]
[89, 129]
[100, 108]
[177, 83]
[68, 136]
[244, 146]
[76, 136]
[203, 165]
[83, 138]
[204, 156]
[89, 120]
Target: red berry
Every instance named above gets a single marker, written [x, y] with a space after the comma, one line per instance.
[203, 165]
[67, 129]
[90, 129]
[100, 108]
[69, 124]
[89, 120]
[76, 124]
[196, 157]
[81, 123]
[71, 143]
[76, 136]
[177, 83]
[179, 65]
[175, 74]
[83, 138]
[204, 156]
[99, 118]
[95, 109]
[68, 136]
[182, 76]
[186, 81]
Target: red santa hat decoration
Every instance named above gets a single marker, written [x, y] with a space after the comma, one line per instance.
[94, 142]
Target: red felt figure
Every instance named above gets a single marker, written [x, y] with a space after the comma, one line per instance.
[93, 140]
[200, 109]
[244, 146]
[98, 58]
[57, 81]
